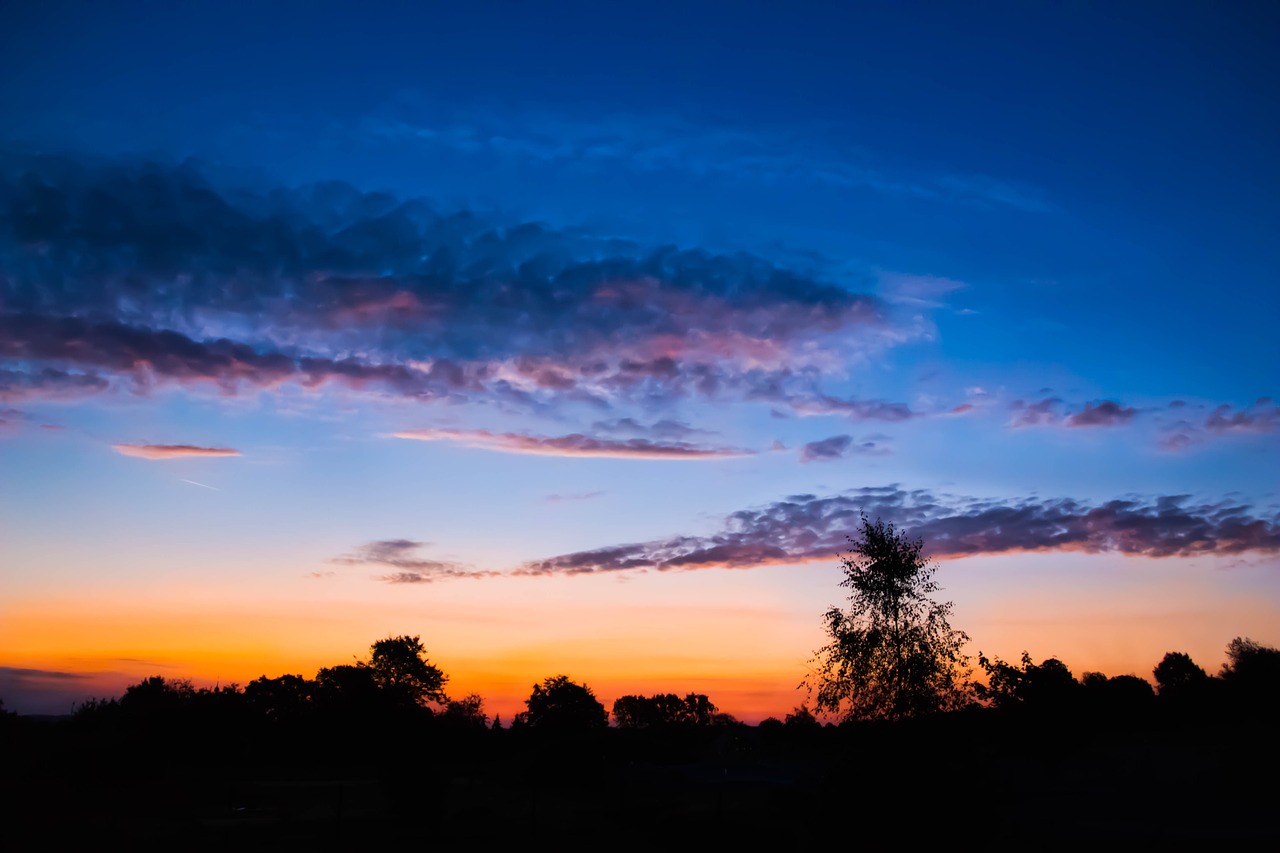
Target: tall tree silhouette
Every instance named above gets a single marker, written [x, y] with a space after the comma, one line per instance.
[893, 653]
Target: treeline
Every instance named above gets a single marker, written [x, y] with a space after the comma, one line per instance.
[398, 684]
[379, 750]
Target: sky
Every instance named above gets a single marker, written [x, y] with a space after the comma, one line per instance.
[577, 337]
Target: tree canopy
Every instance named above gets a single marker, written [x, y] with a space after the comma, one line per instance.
[892, 653]
[663, 709]
[562, 705]
[1045, 684]
[399, 666]
[1178, 672]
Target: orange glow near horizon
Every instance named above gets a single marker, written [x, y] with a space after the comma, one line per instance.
[647, 633]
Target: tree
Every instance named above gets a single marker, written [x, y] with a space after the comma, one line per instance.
[400, 667]
[663, 709]
[155, 696]
[559, 704]
[467, 712]
[893, 653]
[801, 719]
[1045, 685]
[1252, 673]
[349, 689]
[281, 700]
[1178, 673]
[1250, 661]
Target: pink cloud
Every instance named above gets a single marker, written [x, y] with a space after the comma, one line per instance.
[170, 451]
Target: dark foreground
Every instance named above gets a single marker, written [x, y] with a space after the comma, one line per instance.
[979, 776]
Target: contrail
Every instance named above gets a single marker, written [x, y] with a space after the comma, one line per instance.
[194, 483]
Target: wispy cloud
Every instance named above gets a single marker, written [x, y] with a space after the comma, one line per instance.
[172, 451]
[665, 429]
[806, 527]
[826, 404]
[573, 445]
[579, 496]
[410, 568]
[202, 485]
[667, 143]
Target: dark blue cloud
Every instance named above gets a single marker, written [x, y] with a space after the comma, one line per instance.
[150, 269]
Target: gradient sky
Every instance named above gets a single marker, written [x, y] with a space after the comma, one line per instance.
[575, 337]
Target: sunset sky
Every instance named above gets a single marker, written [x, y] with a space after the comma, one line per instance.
[576, 337]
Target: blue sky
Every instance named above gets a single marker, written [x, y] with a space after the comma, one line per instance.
[361, 309]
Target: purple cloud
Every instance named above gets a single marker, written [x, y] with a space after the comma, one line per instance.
[1262, 416]
[805, 527]
[1104, 414]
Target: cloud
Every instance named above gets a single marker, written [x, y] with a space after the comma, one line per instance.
[44, 691]
[840, 446]
[921, 290]
[19, 673]
[580, 496]
[10, 419]
[1105, 413]
[806, 527]
[666, 143]
[1050, 411]
[573, 445]
[401, 554]
[826, 404]
[47, 384]
[667, 429]
[143, 356]
[171, 451]
[132, 275]
[1262, 416]
[1043, 413]
[1182, 436]
[1223, 421]
[826, 449]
